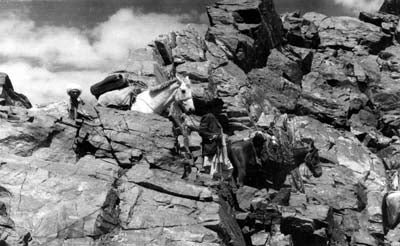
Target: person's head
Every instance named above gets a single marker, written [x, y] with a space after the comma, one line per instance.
[74, 90]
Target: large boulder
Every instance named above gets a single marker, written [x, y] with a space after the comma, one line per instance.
[300, 31]
[286, 64]
[53, 200]
[271, 90]
[348, 32]
[126, 135]
[142, 61]
[245, 30]
[8, 97]
[180, 46]
[331, 90]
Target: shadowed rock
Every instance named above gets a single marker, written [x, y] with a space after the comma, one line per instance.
[8, 96]
[245, 30]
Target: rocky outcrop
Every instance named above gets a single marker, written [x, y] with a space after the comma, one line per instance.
[8, 97]
[115, 180]
[300, 31]
[245, 30]
[391, 7]
[347, 33]
[112, 180]
[228, 82]
[332, 89]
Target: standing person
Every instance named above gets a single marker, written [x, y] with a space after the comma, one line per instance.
[74, 91]
[214, 157]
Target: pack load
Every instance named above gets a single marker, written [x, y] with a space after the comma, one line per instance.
[282, 152]
[112, 82]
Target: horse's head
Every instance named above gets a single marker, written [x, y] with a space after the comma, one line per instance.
[312, 158]
[183, 94]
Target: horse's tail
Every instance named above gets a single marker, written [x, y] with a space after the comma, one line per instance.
[385, 222]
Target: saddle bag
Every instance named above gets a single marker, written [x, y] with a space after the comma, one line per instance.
[110, 83]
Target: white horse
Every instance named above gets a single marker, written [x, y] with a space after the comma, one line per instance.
[121, 98]
[157, 99]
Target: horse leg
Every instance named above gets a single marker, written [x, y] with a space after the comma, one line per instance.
[240, 178]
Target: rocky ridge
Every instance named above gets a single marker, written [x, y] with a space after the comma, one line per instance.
[116, 181]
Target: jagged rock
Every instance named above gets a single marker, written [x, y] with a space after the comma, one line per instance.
[363, 238]
[142, 61]
[245, 196]
[246, 31]
[303, 56]
[270, 86]
[286, 66]
[391, 156]
[197, 71]
[178, 235]
[364, 125]
[8, 96]
[384, 92]
[347, 32]
[393, 236]
[25, 138]
[53, 200]
[260, 238]
[314, 17]
[128, 135]
[391, 7]
[157, 208]
[280, 239]
[189, 46]
[215, 55]
[15, 114]
[164, 182]
[300, 31]
[331, 91]
[342, 148]
[227, 82]
[306, 219]
[229, 227]
[266, 214]
[378, 18]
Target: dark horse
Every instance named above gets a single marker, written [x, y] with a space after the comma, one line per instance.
[242, 155]
[276, 163]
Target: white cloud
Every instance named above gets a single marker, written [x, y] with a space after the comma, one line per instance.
[44, 86]
[42, 60]
[361, 5]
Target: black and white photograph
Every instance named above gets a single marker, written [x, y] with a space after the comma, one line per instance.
[199, 122]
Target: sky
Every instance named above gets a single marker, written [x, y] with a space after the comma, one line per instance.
[47, 44]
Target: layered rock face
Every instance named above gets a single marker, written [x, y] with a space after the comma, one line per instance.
[350, 84]
[247, 30]
[112, 180]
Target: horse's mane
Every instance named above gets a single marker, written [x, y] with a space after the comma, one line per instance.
[162, 86]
